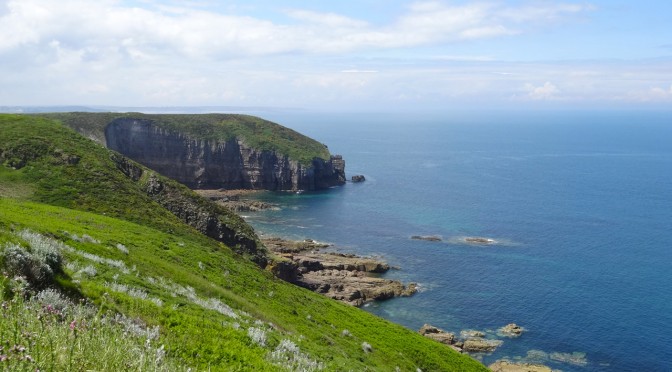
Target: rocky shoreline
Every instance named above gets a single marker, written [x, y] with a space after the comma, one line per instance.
[347, 278]
[355, 280]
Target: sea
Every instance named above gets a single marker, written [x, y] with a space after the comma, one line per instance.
[579, 204]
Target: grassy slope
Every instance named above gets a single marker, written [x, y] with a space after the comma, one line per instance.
[256, 132]
[165, 258]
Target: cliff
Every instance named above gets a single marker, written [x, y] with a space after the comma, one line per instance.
[215, 150]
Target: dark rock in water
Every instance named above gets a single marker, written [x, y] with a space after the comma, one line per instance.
[429, 238]
[358, 178]
[479, 240]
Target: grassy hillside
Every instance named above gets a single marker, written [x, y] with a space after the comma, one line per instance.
[71, 220]
[256, 132]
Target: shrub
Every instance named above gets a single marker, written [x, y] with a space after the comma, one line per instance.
[38, 269]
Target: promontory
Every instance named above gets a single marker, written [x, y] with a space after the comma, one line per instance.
[215, 151]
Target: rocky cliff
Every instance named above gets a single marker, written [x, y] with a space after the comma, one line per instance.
[213, 164]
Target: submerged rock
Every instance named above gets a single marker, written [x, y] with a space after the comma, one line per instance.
[470, 333]
[479, 240]
[511, 330]
[575, 358]
[429, 238]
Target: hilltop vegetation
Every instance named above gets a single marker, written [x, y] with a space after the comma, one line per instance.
[94, 267]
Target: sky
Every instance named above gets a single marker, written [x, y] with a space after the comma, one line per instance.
[337, 55]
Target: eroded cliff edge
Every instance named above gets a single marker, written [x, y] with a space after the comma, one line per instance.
[211, 163]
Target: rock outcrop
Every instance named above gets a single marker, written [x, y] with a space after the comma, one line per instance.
[358, 178]
[208, 218]
[437, 334]
[344, 277]
[210, 164]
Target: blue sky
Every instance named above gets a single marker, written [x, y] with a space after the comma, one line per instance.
[365, 54]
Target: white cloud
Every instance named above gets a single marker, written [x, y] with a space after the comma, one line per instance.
[103, 52]
[546, 91]
[195, 33]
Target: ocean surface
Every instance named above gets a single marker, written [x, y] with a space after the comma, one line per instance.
[579, 203]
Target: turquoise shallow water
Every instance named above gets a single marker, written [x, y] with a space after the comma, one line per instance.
[581, 204]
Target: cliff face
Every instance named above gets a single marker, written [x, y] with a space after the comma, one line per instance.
[206, 164]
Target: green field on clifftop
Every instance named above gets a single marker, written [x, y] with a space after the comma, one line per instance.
[72, 221]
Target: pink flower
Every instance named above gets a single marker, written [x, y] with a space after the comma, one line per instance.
[73, 325]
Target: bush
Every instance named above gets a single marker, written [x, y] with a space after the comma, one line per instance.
[37, 270]
[38, 264]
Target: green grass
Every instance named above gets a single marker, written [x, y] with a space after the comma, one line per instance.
[51, 333]
[255, 132]
[160, 267]
[126, 254]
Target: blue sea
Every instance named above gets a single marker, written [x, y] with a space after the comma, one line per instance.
[580, 204]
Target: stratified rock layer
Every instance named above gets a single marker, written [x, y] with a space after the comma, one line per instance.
[209, 164]
[344, 277]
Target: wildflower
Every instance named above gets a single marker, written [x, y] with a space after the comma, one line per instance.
[73, 325]
[3, 357]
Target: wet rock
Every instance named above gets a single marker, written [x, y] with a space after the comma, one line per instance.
[358, 178]
[507, 366]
